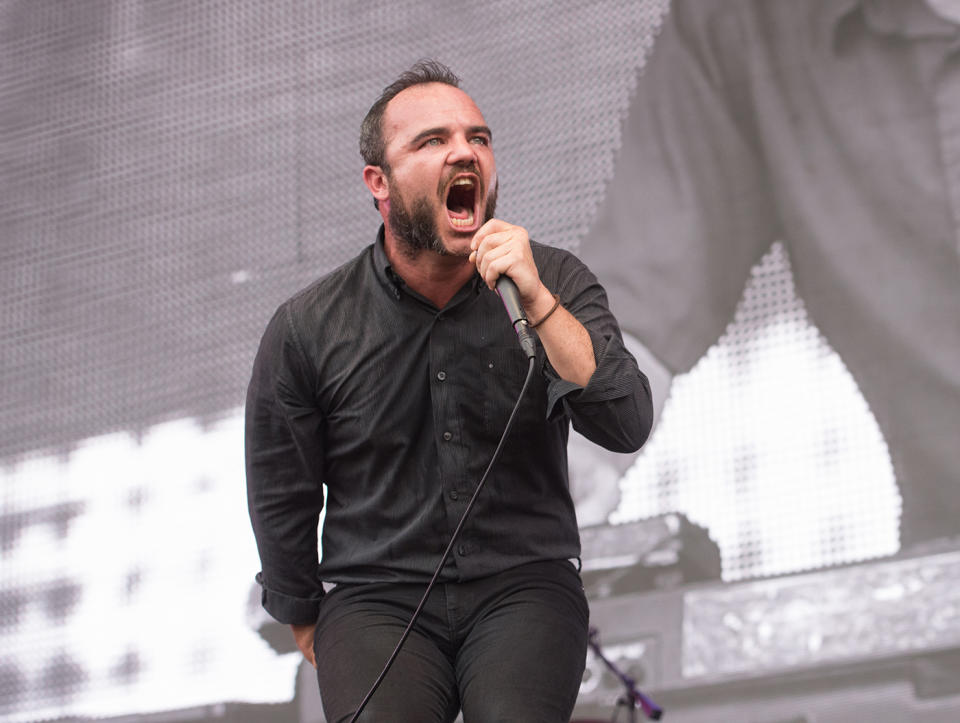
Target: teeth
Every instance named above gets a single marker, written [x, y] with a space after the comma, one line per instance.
[467, 220]
[463, 222]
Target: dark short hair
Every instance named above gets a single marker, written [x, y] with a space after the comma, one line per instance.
[372, 146]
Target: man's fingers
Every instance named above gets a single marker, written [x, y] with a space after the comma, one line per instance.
[495, 261]
[494, 225]
[303, 636]
[500, 248]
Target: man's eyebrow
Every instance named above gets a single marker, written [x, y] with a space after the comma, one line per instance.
[439, 131]
[480, 130]
[442, 131]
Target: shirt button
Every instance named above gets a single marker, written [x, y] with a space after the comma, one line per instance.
[454, 495]
[441, 376]
[447, 436]
[462, 550]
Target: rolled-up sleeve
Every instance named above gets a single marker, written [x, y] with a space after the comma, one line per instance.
[615, 408]
[284, 462]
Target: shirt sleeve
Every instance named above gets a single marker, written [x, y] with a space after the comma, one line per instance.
[615, 408]
[688, 210]
[284, 462]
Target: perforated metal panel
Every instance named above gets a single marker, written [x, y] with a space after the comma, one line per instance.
[769, 444]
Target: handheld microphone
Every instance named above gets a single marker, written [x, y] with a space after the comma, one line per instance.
[510, 296]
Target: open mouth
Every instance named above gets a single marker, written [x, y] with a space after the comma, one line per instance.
[462, 203]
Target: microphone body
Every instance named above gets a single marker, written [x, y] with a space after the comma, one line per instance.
[510, 296]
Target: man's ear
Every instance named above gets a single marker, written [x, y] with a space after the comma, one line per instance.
[377, 182]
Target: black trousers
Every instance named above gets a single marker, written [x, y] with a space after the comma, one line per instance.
[510, 647]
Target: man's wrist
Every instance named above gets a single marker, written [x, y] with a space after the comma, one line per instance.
[541, 305]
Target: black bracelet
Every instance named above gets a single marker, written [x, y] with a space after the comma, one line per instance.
[556, 303]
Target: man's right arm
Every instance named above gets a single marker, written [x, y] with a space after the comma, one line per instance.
[303, 636]
[284, 462]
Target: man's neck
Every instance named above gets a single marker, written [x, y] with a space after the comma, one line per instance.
[434, 276]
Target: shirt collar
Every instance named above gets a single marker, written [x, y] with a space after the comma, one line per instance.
[911, 19]
[389, 278]
[395, 284]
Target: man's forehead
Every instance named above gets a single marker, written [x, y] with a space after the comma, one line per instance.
[428, 105]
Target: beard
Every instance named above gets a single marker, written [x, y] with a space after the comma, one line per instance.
[416, 227]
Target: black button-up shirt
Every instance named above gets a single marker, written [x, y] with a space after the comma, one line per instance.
[362, 385]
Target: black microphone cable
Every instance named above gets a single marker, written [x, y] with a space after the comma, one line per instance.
[453, 539]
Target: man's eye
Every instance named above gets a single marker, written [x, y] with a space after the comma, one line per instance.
[480, 140]
[432, 142]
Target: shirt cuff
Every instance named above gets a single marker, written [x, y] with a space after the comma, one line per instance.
[597, 388]
[288, 608]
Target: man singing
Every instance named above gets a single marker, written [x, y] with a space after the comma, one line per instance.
[390, 381]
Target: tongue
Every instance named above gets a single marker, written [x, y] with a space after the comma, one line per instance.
[459, 212]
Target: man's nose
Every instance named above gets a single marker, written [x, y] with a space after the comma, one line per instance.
[461, 151]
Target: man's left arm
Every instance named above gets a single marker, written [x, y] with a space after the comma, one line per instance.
[592, 375]
[565, 340]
